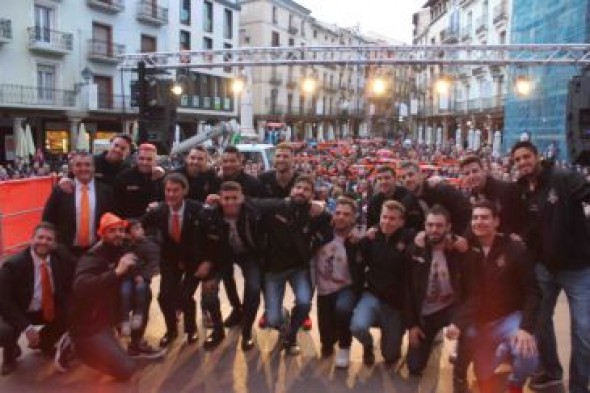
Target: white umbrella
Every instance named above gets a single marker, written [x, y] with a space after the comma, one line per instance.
[21, 143]
[477, 140]
[288, 134]
[470, 137]
[496, 145]
[83, 140]
[439, 136]
[331, 135]
[29, 140]
[135, 131]
[420, 135]
[321, 133]
[458, 139]
[176, 136]
[429, 136]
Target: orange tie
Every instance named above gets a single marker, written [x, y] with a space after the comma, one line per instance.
[47, 304]
[175, 230]
[84, 230]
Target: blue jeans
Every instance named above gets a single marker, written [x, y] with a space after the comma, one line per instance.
[370, 311]
[134, 296]
[252, 286]
[576, 284]
[491, 346]
[103, 352]
[274, 293]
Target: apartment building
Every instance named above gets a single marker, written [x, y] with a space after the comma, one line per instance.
[469, 97]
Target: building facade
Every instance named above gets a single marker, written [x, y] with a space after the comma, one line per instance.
[452, 100]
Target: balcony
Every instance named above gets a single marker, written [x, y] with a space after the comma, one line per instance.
[50, 41]
[112, 102]
[478, 72]
[5, 31]
[36, 96]
[104, 51]
[108, 6]
[466, 33]
[331, 89]
[292, 83]
[500, 13]
[276, 80]
[481, 25]
[449, 36]
[293, 30]
[152, 14]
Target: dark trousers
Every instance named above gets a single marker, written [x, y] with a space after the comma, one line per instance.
[252, 286]
[49, 334]
[231, 290]
[334, 315]
[176, 293]
[103, 352]
[137, 334]
[418, 355]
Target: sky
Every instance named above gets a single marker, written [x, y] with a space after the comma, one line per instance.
[391, 18]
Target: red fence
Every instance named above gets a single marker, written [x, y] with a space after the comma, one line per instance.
[21, 206]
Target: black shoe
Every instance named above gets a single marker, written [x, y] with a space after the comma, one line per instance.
[291, 348]
[143, 350]
[214, 339]
[8, 366]
[167, 339]
[327, 351]
[192, 338]
[64, 353]
[247, 342]
[541, 381]
[234, 318]
[368, 356]
[460, 385]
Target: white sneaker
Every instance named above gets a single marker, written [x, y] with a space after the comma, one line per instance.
[136, 321]
[342, 358]
[125, 328]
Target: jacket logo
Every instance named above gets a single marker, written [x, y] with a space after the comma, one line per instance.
[132, 188]
[501, 261]
[552, 198]
[419, 259]
[400, 246]
[214, 237]
[281, 218]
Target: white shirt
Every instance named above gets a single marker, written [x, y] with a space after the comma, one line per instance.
[173, 212]
[92, 200]
[35, 304]
[331, 267]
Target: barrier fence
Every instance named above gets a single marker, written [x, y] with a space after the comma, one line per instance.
[21, 206]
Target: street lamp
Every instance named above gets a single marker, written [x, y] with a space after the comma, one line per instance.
[309, 85]
[443, 85]
[237, 85]
[176, 89]
[523, 86]
[379, 86]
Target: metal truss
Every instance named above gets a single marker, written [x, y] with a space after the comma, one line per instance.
[489, 55]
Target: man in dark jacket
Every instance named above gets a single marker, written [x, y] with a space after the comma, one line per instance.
[500, 312]
[278, 182]
[382, 301]
[113, 161]
[504, 195]
[388, 190]
[434, 287]
[135, 187]
[339, 279]
[234, 234]
[556, 233]
[35, 287]
[202, 180]
[95, 297]
[442, 194]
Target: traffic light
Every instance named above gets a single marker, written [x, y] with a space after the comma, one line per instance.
[578, 119]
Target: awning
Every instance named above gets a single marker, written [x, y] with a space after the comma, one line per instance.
[275, 125]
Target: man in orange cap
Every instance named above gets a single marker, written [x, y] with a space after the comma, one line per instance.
[100, 271]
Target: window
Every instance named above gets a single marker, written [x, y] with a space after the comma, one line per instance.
[104, 86]
[148, 43]
[228, 24]
[207, 43]
[291, 21]
[301, 104]
[45, 82]
[227, 69]
[315, 34]
[208, 17]
[274, 97]
[291, 41]
[102, 40]
[275, 15]
[185, 12]
[43, 23]
[289, 103]
[185, 40]
[303, 28]
[275, 39]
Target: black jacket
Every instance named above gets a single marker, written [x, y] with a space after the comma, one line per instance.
[217, 248]
[17, 280]
[290, 230]
[134, 191]
[505, 196]
[386, 263]
[96, 291]
[272, 188]
[414, 213]
[500, 284]
[251, 186]
[187, 254]
[419, 265]
[148, 252]
[60, 210]
[451, 199]
[201, 185]
[555, 229]
[106, 172]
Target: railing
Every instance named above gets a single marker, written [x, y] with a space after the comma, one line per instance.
[29, 95]
[5, 29]
[276, 79]
[104, 49]
[50, 39]
[466, 33]
[449, 36]
[113, 101]
[146, 10]
[107, 5]
[500, 12]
